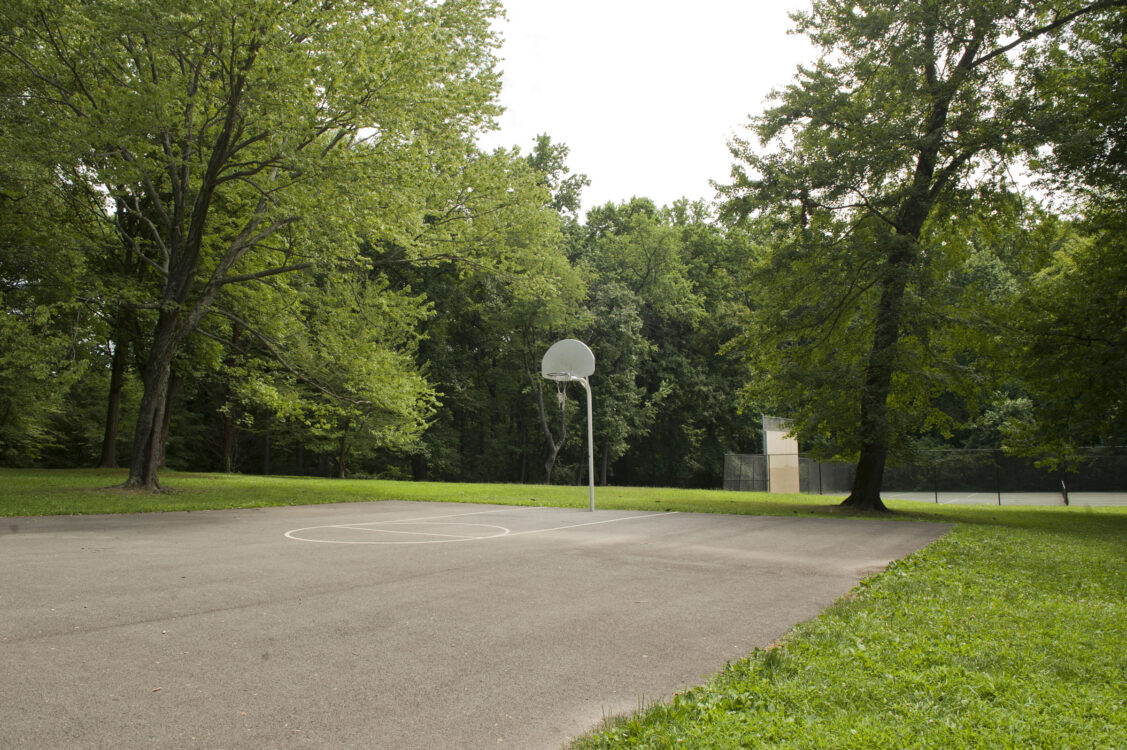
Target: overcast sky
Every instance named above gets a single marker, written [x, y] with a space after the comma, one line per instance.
[646, 93]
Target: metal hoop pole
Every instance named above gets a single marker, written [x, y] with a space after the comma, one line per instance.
[590, 443]
[561, 379]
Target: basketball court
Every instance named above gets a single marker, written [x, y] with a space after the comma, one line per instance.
[394, 625]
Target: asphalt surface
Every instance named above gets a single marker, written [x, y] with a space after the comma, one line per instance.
[394, 625]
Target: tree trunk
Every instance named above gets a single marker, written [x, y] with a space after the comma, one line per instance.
[266, 451]
[902, 257]
[606, 464]
[553, 446]
[341, 454]
[229, 411]
[876, 430]
[113, 409]
[867, 482]
[228, 440]
[146, 437]
[145, 457]
[174, 382]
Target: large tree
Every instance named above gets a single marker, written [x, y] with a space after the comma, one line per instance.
[248, 139]
[909, 107]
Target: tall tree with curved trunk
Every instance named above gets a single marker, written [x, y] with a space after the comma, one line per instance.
[909, 105]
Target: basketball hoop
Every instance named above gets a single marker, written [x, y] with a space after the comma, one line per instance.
[567, 361]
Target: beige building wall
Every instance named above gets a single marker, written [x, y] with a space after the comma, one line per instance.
[782, 456]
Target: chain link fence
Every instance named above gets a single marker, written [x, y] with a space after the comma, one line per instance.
[1096, 477]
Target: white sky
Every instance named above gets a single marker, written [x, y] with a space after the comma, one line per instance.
[645, 93]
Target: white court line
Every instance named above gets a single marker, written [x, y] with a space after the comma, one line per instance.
[366, 526]
[358, 527]
[594, 523]
[298, 535]
[474, 513]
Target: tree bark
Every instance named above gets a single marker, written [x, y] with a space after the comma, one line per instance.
[113, 408]
[341, 455]
[266, 451]
[147, 447]
[229, 411]
[174, 382]
[553, 446]
[228, 441]
[866, 484]
[876, 430]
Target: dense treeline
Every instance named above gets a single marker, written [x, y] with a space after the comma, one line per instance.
[262, 238]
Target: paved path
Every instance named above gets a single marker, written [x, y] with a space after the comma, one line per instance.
[393, 625]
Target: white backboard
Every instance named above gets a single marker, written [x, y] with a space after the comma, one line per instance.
[569, 356]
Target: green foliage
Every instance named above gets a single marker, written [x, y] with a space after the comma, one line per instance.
[44, 328]
[238, 141]
[37, 368]
[280, 209]
[664, 294]
[1070, 316]
[492, 264]
[902, 131]
[357, 350]
[549, 160]
[1076, 83]
[1071, 345]
[623, 411]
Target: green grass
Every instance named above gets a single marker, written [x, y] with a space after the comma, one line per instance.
[1009, 632]
[85, 491]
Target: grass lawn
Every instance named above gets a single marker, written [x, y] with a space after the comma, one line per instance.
[1011, 631]
[83, 491]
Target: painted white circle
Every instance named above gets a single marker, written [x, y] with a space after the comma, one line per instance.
[398, 532]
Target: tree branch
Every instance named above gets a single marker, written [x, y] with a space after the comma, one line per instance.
[1042, 30]
[261, 274]
[132, 243]
[277, 355]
